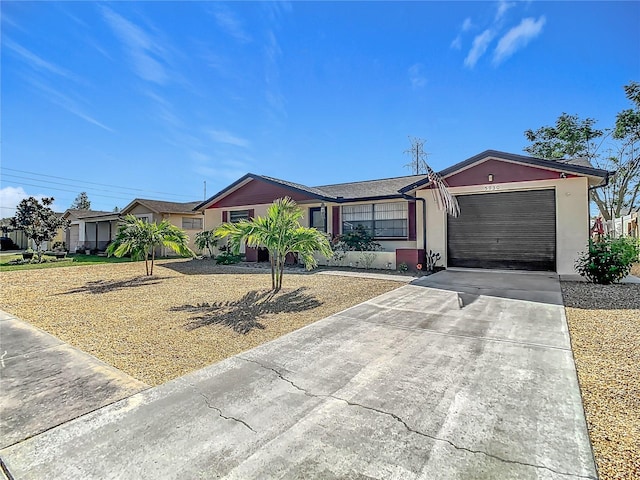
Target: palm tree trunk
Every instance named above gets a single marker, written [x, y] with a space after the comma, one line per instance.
[272, 261]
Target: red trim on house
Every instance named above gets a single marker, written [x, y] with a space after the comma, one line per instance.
[503, 172]
[335, 222]
[258, 192]
[412, 220]
[411, 256]
[251, 254]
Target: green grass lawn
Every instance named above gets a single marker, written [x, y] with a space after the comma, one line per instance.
[70, 261]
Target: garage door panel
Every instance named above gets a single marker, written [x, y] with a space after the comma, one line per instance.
[510, 230]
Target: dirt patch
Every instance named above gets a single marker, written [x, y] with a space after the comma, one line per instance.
[188, 315]
[604, 323]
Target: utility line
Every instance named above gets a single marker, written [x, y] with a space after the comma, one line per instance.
[47, 182]
[72, 191]
[93, 183]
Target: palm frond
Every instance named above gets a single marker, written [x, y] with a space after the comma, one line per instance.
[443, 198]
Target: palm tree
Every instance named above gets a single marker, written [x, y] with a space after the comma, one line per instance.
[140, 239]
[281, 233]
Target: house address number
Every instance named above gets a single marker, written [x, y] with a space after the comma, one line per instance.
[488, 188]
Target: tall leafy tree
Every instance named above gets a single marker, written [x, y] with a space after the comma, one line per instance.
[140, 239]
[573, 137]
[280, 233]
[570, 137]
[81, 202]
[38, 221]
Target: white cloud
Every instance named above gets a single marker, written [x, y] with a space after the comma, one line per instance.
[36, 62]
[223, 136]
[467, 25]
[229, 22]
[480, 45]
[10, 197]
[518, 37]
[67, 103]
[142, 49]
[503, 7]
[417, 76]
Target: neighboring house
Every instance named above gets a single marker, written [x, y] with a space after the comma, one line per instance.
[90, 229]
[517, 212]
[627, 225]
[182, 215]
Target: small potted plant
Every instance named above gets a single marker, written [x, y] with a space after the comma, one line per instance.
[27, 254]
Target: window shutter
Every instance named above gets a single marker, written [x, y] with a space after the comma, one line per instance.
[335, 222]
[251, 212]
[225, 216]
[412, 220]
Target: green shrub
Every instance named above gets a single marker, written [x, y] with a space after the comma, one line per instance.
[227, 258]
[608, 261]
[403, 267]
[356, 240]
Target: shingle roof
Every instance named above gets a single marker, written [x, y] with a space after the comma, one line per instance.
[385, 187]
[161, 206]
[315, 191]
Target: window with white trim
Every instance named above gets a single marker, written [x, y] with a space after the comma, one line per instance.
[191, 223]
[380, 220]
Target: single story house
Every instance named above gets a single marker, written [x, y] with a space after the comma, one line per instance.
[90, 229]
[516, 212]
[180, 214]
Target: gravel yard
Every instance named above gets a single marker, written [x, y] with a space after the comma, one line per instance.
[604, 322]
[189, 314]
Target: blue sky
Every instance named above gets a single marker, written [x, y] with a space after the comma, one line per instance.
[151, 99]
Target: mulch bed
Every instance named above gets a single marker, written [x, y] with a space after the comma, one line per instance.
[186, 316]
[604, 323]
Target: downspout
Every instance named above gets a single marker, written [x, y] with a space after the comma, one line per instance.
[424, 218]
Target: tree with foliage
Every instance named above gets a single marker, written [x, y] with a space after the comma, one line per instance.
[280, 233]
[206, 240]
[140, 239]
[38, 221]
[573, 137]
[570, 137]
[81, 202]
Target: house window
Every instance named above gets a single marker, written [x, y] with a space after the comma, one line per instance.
[192, 223]
[318, 218]
[238, 215]
[380, 220]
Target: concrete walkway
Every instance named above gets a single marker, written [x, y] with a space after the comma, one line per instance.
[458, 376]
[46, 382]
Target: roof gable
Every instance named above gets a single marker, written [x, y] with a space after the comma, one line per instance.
[530, 168]
[161, 206]
[501, 172]
[259, 190]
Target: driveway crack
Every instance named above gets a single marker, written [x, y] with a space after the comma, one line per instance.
[407, 427]
[208, 403]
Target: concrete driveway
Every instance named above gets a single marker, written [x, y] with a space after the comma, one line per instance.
[460, 375]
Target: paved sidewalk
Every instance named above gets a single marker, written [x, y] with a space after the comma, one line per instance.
[462, 375]
[46, 382]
